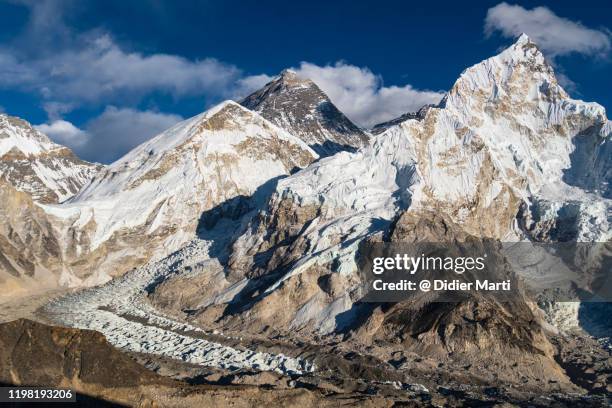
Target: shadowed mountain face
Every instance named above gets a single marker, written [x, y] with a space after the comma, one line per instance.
[301, 108]
[418, 115]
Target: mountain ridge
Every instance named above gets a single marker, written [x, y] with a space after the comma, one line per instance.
[236, 229]
[492, 158]
[32, 163]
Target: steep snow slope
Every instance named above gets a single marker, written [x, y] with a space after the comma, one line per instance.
[300, 107]
[154, 199]
[32, 163]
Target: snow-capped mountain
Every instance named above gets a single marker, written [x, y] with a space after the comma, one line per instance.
[300, 107]
[232, 222]
[162, 193]
[507, 155]
[32, 163]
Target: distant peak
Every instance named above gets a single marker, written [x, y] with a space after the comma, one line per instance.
[288, 73]
[525, 48]
[225, 106]
[227, 103]
[523, 39]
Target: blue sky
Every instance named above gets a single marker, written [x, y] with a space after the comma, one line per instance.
[104, 76]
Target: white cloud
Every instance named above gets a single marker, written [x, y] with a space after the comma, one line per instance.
[68, 69]
[110, 135]
[554, 35]
[55, 110]
[64, 132]
[361, 95]
[247, 85]
[117, 131]
[100, 71]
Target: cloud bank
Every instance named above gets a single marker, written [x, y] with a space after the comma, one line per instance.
[99, 71]
[555, 35]
[110, 135]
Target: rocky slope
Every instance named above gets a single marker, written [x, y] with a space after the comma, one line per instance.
[82, 360]
[420, 114]
[32, 163]
[301, 108]
[34, 354]
[30, 250]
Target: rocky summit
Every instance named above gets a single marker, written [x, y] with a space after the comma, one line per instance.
[300, 107]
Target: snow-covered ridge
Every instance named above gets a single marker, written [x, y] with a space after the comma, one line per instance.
[508, 154]
[197, 130]
[149, 202]
[510, 104]
[18, 134]
[504, 137]
[32, 163]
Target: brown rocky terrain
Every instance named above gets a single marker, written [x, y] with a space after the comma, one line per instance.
[35, 354]
[29, 245]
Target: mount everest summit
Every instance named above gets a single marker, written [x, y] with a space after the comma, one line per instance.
[300, 107]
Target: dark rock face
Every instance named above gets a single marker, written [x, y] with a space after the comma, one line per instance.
[300, 107]
[67, 354]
